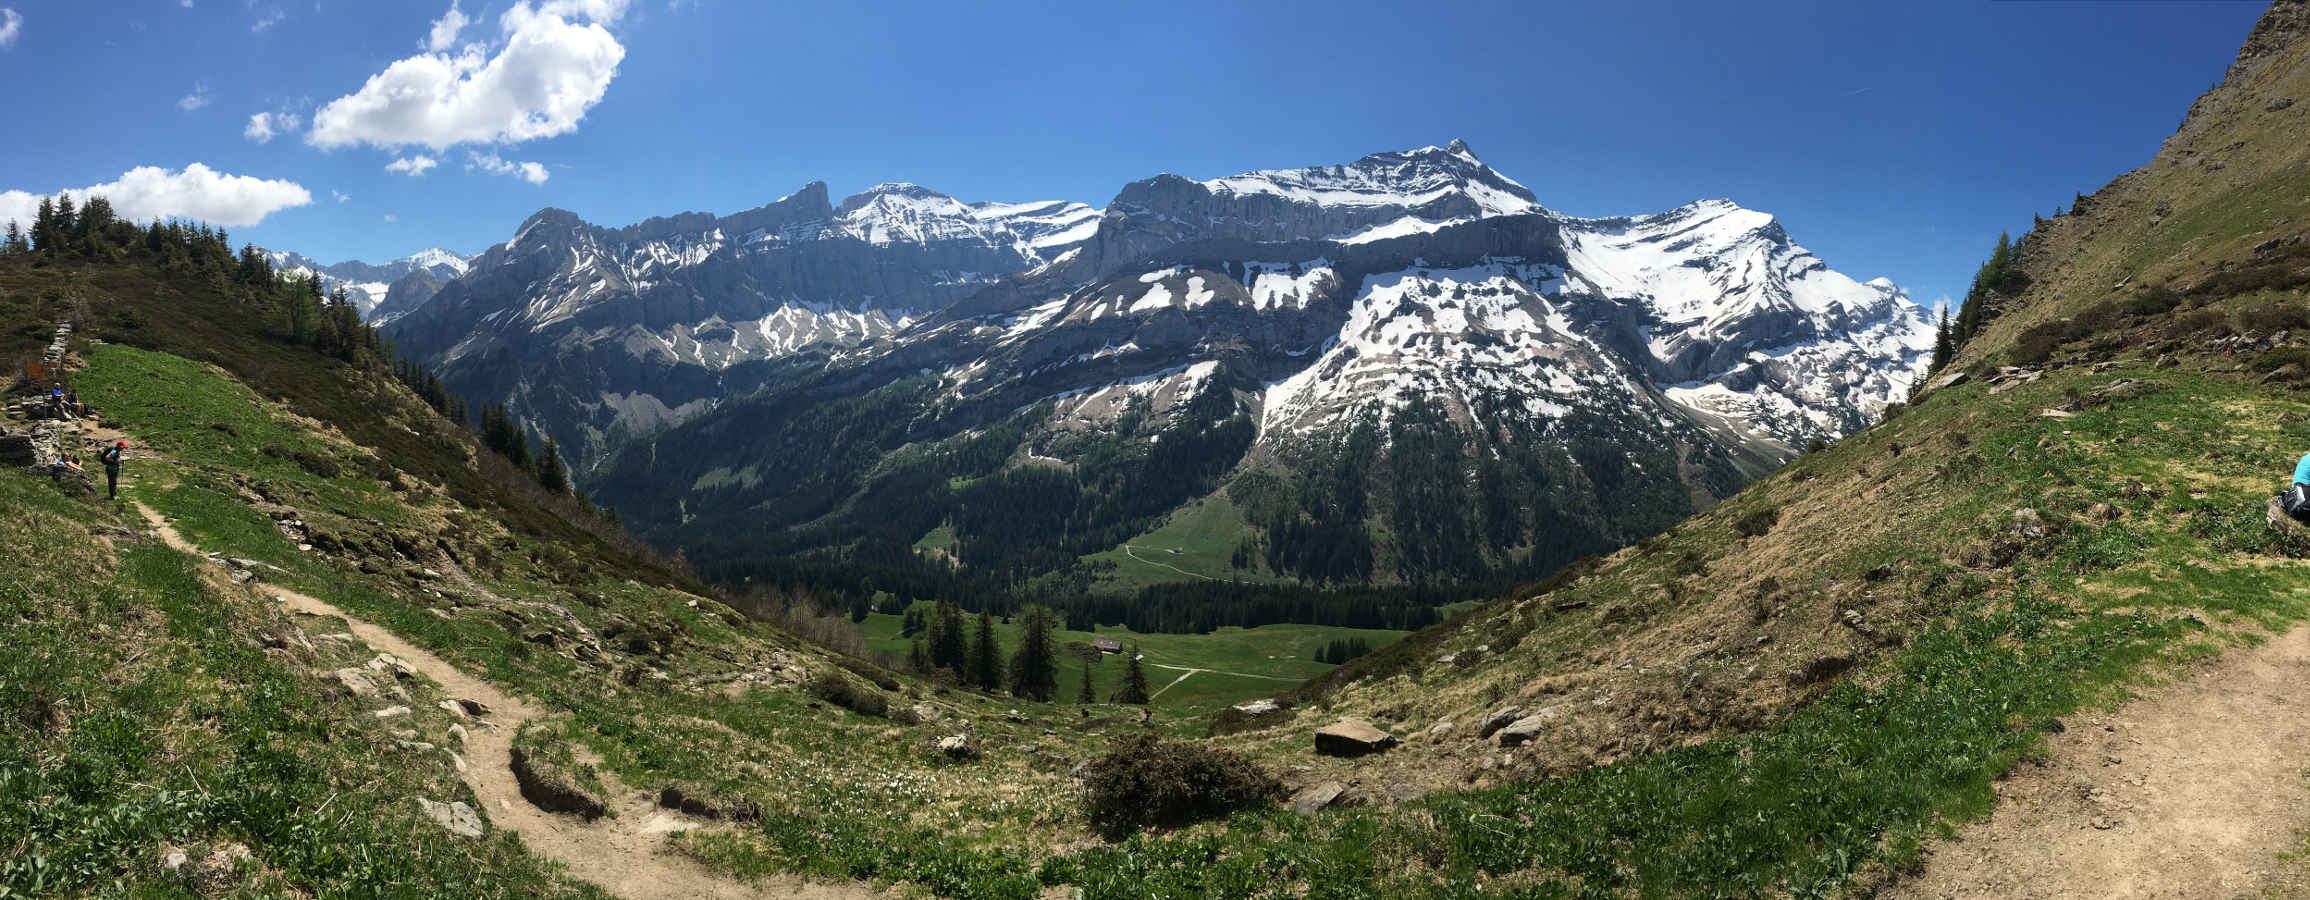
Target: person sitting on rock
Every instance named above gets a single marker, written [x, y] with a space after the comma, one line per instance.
[73, 405]
[56, 403]
[2296, 499]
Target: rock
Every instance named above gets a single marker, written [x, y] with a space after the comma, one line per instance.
[1014, 716]
[173, 859]
[957, 747]
[1952, 379]
[2166, 361]
[1351, 737]
[924, 712]
[1498, 719]
[1316, 797]
[1257, 707]
[457, 733]
[388, 662]
[357, 682]
[1440, 729]
[451, 707]
[391, 712]
[473, 708]
[1529, 728]
[1406, 792]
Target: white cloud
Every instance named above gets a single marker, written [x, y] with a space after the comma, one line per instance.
[185, 3]
[266, 21]
[340, 195]
[195, 100]
[445, 29]
[491, 163]
[389, 218]
[412, 165]
[553, 63]
[196, 192]
[265, 126]
[11, 25]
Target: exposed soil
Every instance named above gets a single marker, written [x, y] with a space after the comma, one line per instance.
[2200, 788]
[625, 853]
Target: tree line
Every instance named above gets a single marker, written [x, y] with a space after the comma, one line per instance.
[963, 650]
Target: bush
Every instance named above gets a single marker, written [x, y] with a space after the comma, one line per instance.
[1144, 781]
[1757, 523]
[2037, 343]
[836, 688]
[871, 672]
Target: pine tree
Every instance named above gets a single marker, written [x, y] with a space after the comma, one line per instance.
[1944, 345]
[948, 645]
[1134, 679]
[986, 656]
[553, 475]
[1035, 669]
[918, 656]
[44, 227]
[1084, 696]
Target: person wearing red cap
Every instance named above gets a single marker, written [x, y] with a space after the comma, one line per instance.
[111, 457]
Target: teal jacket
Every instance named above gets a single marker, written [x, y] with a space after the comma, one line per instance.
[2302, 470]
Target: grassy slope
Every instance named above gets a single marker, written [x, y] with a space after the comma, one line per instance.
[1206, 533]
[140, 713]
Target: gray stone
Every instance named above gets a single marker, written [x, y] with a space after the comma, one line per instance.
[357, 682]
[1528, 728]
[1352, 737]
[1257, 707]
[957, 746]
[456, 818]
[391, 712]
[1498, 719]
[1316, 796]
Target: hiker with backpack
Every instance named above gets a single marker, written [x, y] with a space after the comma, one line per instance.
[111, 459]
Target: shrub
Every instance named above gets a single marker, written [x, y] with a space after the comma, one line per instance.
[836, 688]
[2037, 342]
[1757, 523]
[1144, 781]
[869, 671]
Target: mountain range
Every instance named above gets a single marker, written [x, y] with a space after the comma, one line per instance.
[1401, 367]
[381, 292]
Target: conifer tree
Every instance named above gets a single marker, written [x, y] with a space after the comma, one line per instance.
[947, 643]
[1035, 669]
[1084, 696]
[1134, 688]
[1944, 343]
[552, 474]
[986, 656]
[918, 656]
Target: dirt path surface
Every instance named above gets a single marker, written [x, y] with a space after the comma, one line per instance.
[2193, 790]
[625, 854]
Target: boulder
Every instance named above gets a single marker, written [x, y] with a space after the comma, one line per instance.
[1352, 737]
[1257, 707]
[455, 817]
[1498, 719]
[957, 746]
[1952, 379]
[1529, 728]
[357, 682]
[1316, 796]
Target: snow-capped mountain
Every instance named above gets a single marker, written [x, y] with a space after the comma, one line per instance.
[766, 373]
[368, 284]
[641, 325]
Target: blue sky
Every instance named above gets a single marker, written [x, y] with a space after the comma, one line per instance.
[1891, 139]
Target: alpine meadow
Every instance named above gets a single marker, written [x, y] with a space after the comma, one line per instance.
[1294, 504]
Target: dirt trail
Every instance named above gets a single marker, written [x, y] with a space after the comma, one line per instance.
[1133, 552]
[2193, 790]
[625, 854]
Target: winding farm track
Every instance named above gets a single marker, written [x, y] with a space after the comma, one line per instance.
[625, 853]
